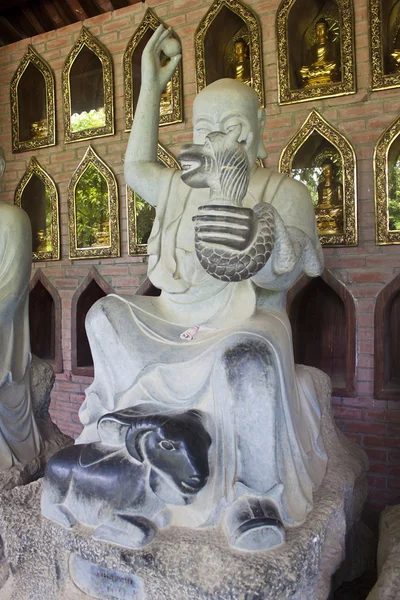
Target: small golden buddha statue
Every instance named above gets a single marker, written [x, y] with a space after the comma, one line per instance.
[166, 96]
[321, 63]
[395, 55]
[240, 67]
[43, 243]
[39, 129]
[329, 210]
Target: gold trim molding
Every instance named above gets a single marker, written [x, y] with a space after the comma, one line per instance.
[34, 168]
[384, 235]
[251, 21]
[150, 21]
[316, 123]
[380, 79]
[31, 56]
[168, 160]
[87, 39]
[113, 250]
[287, 95]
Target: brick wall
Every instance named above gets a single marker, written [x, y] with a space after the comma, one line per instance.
[364, 270]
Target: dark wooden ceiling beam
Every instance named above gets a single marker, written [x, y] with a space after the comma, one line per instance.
[104, 5]
[52, 12]
[77, 9]
[8, 32]
[34, 21]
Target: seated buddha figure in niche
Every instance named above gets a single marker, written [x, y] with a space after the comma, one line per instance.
[240, 66]
[321, 65]
[329, 210]
[395, 55]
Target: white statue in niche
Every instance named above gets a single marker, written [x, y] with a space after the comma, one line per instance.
[19, 437]
[216, 342]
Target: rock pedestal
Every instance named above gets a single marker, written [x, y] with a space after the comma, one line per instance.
[387, 586]
[43, 560]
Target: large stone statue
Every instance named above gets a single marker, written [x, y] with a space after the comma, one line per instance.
[321, 65]
[229, 239]
[19, 436]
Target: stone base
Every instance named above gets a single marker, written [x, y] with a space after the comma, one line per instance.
[44, 561]
[387, 587]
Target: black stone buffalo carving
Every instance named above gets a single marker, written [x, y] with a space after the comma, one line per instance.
[121, 484]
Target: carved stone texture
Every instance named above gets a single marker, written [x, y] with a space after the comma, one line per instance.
[132, 80]
[187, 564]
[235, 20]
[384, 29]
[120, 485]
[289, 50]
[87, 41]
[138, 244]
[43, 211]
[386, 156]
[110, 246]
[387, 586]
[46, 134]
[316, 123]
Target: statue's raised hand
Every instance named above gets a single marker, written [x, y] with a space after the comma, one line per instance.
[155, 74]
[233, 243]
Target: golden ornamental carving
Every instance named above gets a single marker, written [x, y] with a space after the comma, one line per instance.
[173, 113]
[343, 159]
[87, 39]
[105, 228]
[385, 166]
[48, 236]
[43, 132]
[250, 32]
[342, 27]
[134, 201]
[384, 74]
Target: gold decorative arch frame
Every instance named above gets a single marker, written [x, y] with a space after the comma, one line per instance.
[137, 249]
[34, 168]
[150, 21]
[113, 249]
[346, 86]
[93, 44]
[384, 235]
[255, 43]
[31, 56]
[316, 123]
[381, 80]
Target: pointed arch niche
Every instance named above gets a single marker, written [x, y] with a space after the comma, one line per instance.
[226, 23]
[323, 318]
[87, 90]
[45, 320]
[171, 105]
[93, 288]
[387, 349]
[316, 144]
[296, 25]
[37, 194]
[32, 104]
[93, 215]
[387, 185]
[141, 214]
[384, 30]
[148, 289]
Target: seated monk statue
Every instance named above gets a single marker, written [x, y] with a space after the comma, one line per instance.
[240, 67]
[19, 437]
[228, 241]
[329, 210]
[321, 65]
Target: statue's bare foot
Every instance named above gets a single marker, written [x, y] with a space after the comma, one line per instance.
[254, 524]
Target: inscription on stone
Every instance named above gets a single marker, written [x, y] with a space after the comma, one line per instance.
[102, 583]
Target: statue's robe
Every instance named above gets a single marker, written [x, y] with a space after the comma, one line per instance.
[261, 411]
[19, 436]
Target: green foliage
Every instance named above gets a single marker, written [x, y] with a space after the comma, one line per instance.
[88, 120]
[311, 178]
[92, 210]
[145, 214]
[394, 196]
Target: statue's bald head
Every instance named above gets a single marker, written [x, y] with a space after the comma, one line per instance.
[216, 107]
